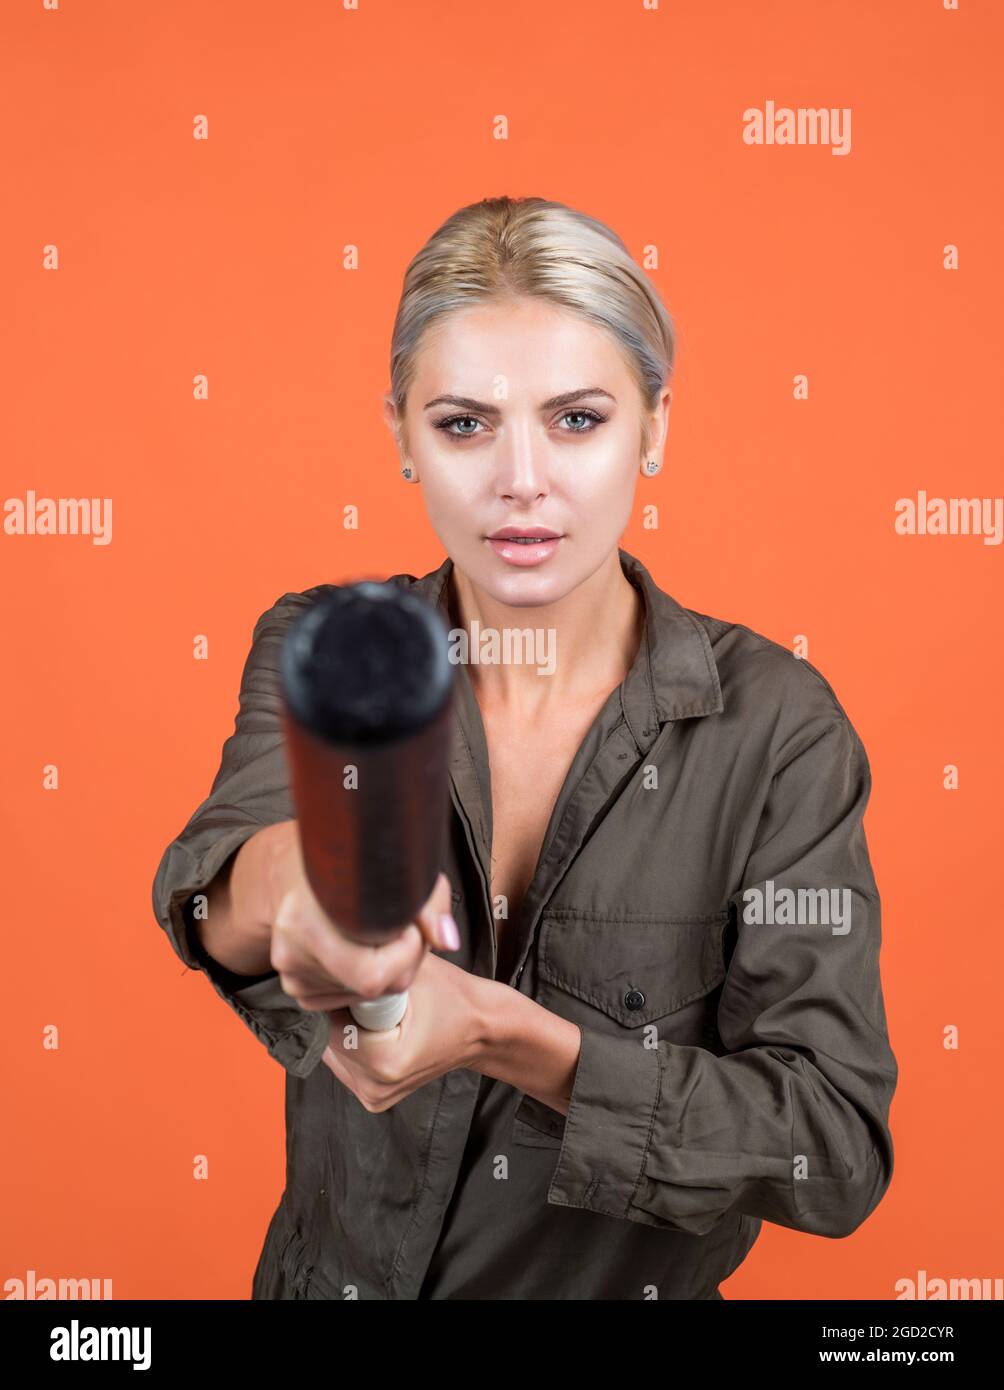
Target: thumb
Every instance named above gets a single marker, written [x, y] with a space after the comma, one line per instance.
[444, 935]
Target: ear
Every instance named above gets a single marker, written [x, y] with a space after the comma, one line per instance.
[390, 414]
[660, 421]
[662, 411]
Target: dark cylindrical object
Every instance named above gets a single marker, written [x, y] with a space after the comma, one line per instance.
[367, 688]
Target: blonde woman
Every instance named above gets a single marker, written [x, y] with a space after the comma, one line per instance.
[645, 1005]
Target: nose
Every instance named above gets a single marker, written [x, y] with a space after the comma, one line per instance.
[522, 474]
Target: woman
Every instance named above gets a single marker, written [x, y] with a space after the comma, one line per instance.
[661, 1020]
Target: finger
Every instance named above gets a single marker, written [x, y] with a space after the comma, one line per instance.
[309, 944]
[290, 948]
[309, 996]
[371, 971]
[440, 933]
[334, 1063]
[301, 969]
[338, 1020]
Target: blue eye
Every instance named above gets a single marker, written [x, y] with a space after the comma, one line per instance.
[444, 425]
[447, 425]
[587, 414]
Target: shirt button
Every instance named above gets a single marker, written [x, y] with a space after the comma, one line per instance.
[634, 999]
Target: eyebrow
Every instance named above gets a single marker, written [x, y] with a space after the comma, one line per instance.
[566, 398]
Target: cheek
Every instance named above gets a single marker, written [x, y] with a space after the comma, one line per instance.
[454, 507]
[603, 488]
[450, 494]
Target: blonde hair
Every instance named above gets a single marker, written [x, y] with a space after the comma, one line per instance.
[503, 248]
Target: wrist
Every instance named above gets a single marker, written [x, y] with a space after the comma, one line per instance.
[499, 1015]
[526, 1046]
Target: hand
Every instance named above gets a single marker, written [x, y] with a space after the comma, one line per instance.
[319, 967]
[445, 1026]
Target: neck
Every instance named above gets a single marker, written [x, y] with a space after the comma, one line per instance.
[586, 641]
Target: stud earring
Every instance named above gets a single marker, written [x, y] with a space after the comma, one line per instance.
[407, 472]
[651, 466]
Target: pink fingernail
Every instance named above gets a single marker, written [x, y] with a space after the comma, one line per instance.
[449, 933]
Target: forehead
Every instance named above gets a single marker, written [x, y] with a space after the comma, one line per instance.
[527, 341]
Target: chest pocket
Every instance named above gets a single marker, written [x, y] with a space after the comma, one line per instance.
[630, 970]
[615, 975]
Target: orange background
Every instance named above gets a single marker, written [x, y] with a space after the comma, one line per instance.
[330, 127]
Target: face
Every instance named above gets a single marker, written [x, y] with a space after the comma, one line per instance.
[524, 418]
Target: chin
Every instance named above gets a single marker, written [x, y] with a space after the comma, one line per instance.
[528, 588]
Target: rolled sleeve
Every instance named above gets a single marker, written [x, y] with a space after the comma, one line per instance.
[249, 792]
[608, 1128]
[791, 1124]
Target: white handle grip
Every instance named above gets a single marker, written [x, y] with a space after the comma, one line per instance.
[380, 1014]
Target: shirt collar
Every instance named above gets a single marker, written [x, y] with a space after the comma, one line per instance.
[673, 675]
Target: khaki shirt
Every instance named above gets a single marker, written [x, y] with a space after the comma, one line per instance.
[735, 1063]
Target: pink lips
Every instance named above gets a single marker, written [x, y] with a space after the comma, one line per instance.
[539, 545]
